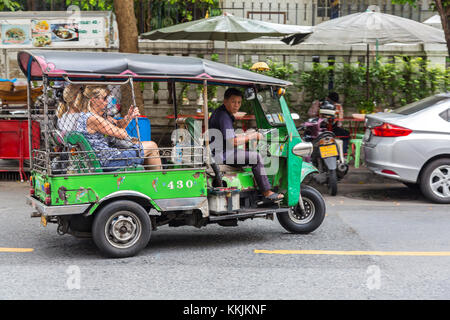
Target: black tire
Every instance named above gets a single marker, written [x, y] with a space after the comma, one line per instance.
[434, 181]
[315, 209]
[332, 182]
[121, 229]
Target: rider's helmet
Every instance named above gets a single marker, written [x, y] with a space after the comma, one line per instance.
[327, 109]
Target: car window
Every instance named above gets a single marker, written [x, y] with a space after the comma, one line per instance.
[445, 115]
[419, 105]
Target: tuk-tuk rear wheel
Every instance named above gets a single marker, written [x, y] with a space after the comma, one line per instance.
[298, 221]
[121, 229]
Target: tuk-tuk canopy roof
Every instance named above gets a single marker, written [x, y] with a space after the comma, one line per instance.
[142, 67]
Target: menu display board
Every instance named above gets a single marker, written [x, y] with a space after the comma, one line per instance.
[93, 30]
[15, 34]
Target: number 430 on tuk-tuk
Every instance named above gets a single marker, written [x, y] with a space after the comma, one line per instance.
[120, 206]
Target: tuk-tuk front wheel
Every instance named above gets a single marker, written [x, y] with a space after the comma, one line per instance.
[121, 229]
[307, 220]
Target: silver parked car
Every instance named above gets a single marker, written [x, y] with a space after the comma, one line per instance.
[412, 144]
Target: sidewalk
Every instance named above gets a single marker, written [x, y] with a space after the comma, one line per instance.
[364, 175]
[360, 184]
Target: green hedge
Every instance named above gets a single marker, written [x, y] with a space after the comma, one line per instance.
[391, 84]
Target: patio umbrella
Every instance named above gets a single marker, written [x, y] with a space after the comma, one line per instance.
[369, 27]
[434, 21]
[226, 28]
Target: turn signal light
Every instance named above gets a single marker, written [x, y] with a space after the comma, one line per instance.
[390, 130]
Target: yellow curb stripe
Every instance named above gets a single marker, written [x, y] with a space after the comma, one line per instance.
[18, 250]
[358, 253]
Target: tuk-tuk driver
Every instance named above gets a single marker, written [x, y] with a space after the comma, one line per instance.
[222, 119]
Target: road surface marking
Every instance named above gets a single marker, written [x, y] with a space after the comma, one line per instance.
[18, 250]
[358, 253]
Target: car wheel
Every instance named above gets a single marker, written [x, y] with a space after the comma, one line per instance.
[305, 222]
[435, 181]
[121, 229]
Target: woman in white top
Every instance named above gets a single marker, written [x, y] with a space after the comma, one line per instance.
[69, 109]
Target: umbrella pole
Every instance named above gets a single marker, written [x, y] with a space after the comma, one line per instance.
[367, 73]
[226, 49]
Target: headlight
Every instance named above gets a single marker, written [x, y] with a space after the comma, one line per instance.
[303, 149]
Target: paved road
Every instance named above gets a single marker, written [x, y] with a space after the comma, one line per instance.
[224, 263]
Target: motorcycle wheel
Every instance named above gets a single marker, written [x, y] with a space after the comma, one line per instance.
[332, 182]
[305, 222]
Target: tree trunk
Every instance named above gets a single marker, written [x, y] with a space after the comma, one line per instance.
[148, 26]
[32, 5]
[128, 39]
[443, 7]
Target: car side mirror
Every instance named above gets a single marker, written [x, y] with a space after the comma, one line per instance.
[295, 116]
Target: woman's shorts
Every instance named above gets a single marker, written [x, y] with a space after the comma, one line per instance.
[127, 158]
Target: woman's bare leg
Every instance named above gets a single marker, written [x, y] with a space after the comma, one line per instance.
[151, 154]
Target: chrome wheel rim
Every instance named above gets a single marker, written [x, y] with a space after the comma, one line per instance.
[440, 181]
[123, 229]
[299, 217]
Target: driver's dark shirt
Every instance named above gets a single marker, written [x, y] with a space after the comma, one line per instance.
[223, 121]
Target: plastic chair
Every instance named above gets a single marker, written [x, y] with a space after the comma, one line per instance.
[354, 151]
[88, 163]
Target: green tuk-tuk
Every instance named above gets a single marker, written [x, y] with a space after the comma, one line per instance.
[120, 206]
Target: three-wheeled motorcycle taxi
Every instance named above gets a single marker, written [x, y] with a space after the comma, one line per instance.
[119, 203]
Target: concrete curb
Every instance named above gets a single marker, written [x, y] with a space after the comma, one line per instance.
[363, 175]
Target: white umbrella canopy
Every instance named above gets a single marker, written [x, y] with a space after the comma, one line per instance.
[434, 21]
[226, 28]
[370, 27]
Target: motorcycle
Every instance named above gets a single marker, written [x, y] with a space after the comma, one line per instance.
[327, 155]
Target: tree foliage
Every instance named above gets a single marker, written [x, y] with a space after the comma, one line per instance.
[153, 13]
[9, 5]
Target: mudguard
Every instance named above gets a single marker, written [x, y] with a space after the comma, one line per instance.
[331, 163]
[307, 168]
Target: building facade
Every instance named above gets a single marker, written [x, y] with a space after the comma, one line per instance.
[312, 12]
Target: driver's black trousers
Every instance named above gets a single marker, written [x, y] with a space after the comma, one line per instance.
[239, 158]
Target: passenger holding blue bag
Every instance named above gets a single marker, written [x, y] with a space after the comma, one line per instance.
[97, 129]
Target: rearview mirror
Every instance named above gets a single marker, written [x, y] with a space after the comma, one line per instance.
[303, 149]
[249, 94]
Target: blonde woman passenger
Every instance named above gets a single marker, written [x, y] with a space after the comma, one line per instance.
[95, 127]
[69, 108]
